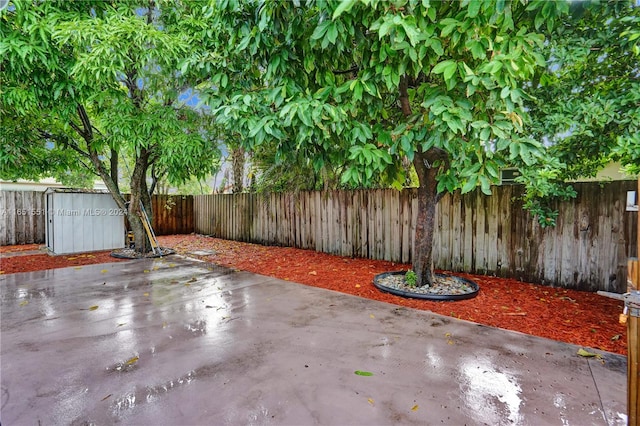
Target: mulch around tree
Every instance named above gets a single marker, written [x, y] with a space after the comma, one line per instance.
[582, 318]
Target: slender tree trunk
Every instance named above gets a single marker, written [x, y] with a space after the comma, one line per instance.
[139, 194]
[113, 170]
[237, 166]
[145, 195]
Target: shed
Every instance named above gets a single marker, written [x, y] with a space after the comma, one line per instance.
[80, 220]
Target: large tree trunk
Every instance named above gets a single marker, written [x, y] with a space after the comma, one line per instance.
[427, 169]
[428, 165]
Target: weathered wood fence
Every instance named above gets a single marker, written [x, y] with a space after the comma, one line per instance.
[23, 215]
[172, 214]
[587, 250]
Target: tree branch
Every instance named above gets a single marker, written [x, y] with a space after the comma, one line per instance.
[354, 68]
[87, 134]
[404, 96]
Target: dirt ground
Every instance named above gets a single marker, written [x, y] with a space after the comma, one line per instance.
[570, 316]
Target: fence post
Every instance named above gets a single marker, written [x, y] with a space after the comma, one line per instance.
[632, 304]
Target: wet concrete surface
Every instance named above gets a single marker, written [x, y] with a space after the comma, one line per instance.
[180, 342]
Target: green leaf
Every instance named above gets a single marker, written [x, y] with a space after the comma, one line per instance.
[343, 6]
[357, 91]
[470, 184]
[485, 185]
[436, 46]
[363, 373]
[320, 30]
[447, 67]
[474, 8]
[332, 33]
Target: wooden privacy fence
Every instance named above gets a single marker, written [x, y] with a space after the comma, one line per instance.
[23, 215]
[492, 235]
[172, 214]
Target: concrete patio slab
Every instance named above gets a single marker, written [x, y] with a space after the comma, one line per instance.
[179, 342]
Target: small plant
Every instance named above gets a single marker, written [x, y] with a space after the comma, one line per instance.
[410, 278]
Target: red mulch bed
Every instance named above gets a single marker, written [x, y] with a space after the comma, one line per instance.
[581, 318]
[24, 262]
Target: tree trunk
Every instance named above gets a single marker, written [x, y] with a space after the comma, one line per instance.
[139, 191]
[113, 170]
[428, 165]
[427, 169]
[237, 166]
[139, 194]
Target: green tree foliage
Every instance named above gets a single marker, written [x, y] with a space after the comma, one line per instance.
[587, 99]
[376, 83]
[87, 83]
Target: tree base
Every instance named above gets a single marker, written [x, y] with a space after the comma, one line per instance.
[445, 287]
[128, 253]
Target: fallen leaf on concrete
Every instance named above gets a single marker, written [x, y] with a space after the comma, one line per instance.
[370, 401]
[588, 354]
[24, 303]
[414, 408]
[93, 308]
[132, 360]
[363, 373]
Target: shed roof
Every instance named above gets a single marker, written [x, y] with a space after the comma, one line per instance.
[77, 190]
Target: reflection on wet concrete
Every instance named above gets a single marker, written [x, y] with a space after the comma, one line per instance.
[491, 394]
[176, 341]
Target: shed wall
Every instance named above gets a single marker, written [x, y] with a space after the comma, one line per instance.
[82, 222]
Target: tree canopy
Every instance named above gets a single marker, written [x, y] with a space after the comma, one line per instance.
[86, 84]
[369, 85]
